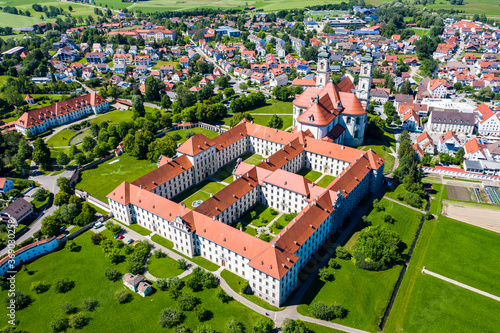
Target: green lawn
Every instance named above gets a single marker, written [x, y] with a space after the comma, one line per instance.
[61, 138]
[225, 174]
[99, 181]
[42, 203]
[114, 117]
[275, 107]
[437, 195]
[401, 191]
[310, 174]
[182, 132]
[163, 267]
[261, 120]
[201, 191]
[326, 180]
[425, 303]
[464, 180]
[86, 268]
[372, 289]
[208, 265]
[254, 159]
[235, 282]
[135, 227]
[283, 221]
[263, 214]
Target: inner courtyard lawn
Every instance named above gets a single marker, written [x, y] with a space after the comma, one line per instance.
[163, 267]
[325, 181]
[254, 159]
[310, 174]
[100, 180]
[201, 191]
[263, 214]
[372, 289]
[86, 268]
[182, 132]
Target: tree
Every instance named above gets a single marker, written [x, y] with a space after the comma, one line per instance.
[59, 324]
[61, 198]
[63, 184]
[263, 326]
[332, 263]
[166, 102]
[97, 238]
[294, 326]
[63, 285]
[238, 117]
[187, 301]
[123, 296]
[20, 300]
[138, 106]
[41, 153]
[89, 304]
[234, 326]
[71, 245]
[77, 320]
[50, 226]
[88, 143]
[153, 87]
[194, 283]
[162, 284]
[325, 274]
[112, 274]
[68, 308]
[165, 146]
[376, 248]
[182, 264]
[223, 296]
[39, 286]
[62, 158]
[170, 317]
[275, 122]
[202, 313]
[40, 194]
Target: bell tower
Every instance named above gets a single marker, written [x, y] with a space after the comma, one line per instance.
[365, 80]
[323, 68]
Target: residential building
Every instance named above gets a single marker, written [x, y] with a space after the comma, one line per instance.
[16, 211]
[443, 121]
[448, 143]
[6, 185]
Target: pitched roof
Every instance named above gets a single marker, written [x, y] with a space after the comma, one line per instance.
[195, 145]
[164, 173]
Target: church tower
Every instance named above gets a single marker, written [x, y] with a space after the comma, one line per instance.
[365, 80]
[323, 68]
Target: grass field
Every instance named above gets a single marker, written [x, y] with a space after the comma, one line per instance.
[372, 289]
[163, 267]
[262, 120]
[86, 268]
[61, 138]
[310, 174]
[263, 214]
[235, 282]
[253, 159]
[201, 191]
[275, 107]
[164, 63]
[437, 198]
[99, 181]
[427, 304]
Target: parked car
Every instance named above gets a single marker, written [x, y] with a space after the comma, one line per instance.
[130, 241]
[135, 243]
[116, 236]
[62, 228]
[97, 225]
[120, 237]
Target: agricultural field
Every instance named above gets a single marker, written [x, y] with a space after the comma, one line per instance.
[461, 193]
[427, 304]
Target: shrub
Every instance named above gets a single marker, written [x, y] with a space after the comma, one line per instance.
[89, 304]
[273, 211]
[325, 274]
[245, 288]
[59, 324]
[253, 214]
[264, 221]
[277, 225]
[182, 264]
[64, 285]
[378, 206]
[333, 264]
[71, 245]
[176, 136]
[202, 313]
[77, 320]
[96, 239]
[263, 326]
[123, 296]
[322, 311]
[68, 308]
[189, 134]
[170, 317]
[112, 274]
[342, 253]
[187, 301]
[204, 329]
[158, 254]
[400, 196]
[39, 286]
[388, 218]
[428, 216]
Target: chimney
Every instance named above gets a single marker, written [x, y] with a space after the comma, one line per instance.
[140, 186]
[213, 218]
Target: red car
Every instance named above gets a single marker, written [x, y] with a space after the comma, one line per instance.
[120, 237]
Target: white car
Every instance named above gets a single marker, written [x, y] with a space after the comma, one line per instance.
[97, 225]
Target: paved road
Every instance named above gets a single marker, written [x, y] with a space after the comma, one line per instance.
[444, 278]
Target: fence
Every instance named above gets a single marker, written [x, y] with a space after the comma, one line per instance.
[86, 196]
[78, 232]
[454, 172]
[215, 128]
